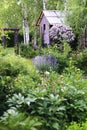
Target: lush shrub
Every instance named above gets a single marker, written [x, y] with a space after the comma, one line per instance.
[28, 51]
[56, 110]
[15, 74]
[15, 121]
[53, 51]
[76, 105]
[62, 57]
[58, 99]
[77, 126]
[75, 19]
[81, 60]
[48, 108]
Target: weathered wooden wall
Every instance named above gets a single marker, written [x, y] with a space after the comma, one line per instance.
[44, 33]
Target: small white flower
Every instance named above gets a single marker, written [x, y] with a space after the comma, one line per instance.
[47, 73]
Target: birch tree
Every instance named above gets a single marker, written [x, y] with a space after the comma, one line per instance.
[24, 21]
[44, 4]
[21, 14]
[35, 9]
[25, 24]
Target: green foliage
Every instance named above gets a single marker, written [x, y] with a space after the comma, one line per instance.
[75, 104]
[1, 48]
[81, 60]
[20, 102]
[48, 109]
[60, 53]
[28, 51]
[58, 99]
[78, 17]
[51, 110]
[76, 126]
[73, 76]
[52, 5]
[55, 100]
[42, 68]
[16, 121]
[15, 73]
[12, 17]
[67, 49]
[54, 51]
[49, 101]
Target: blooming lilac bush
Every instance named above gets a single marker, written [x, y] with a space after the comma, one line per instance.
[61, 33]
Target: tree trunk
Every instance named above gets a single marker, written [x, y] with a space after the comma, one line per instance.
[25, 25]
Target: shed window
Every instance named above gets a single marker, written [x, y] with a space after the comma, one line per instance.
[44, 27]
[51, 26]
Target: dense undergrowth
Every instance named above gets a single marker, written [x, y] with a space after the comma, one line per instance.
[47, 100]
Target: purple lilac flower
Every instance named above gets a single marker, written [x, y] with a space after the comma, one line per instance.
[61, 33]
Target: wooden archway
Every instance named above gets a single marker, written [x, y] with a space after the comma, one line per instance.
[15, 37]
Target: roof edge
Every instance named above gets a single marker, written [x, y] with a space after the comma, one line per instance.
[40, 18]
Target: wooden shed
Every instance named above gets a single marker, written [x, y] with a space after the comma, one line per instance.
[46, 20]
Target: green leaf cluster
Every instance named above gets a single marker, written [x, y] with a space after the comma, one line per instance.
[78, 17]
[77, 126]
[16, 121]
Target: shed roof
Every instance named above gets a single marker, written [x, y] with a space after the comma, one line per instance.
[53, 16]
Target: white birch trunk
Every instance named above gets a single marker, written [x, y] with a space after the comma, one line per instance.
[25, 25]
[44, 4]
[23, 32]
[35, 24]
